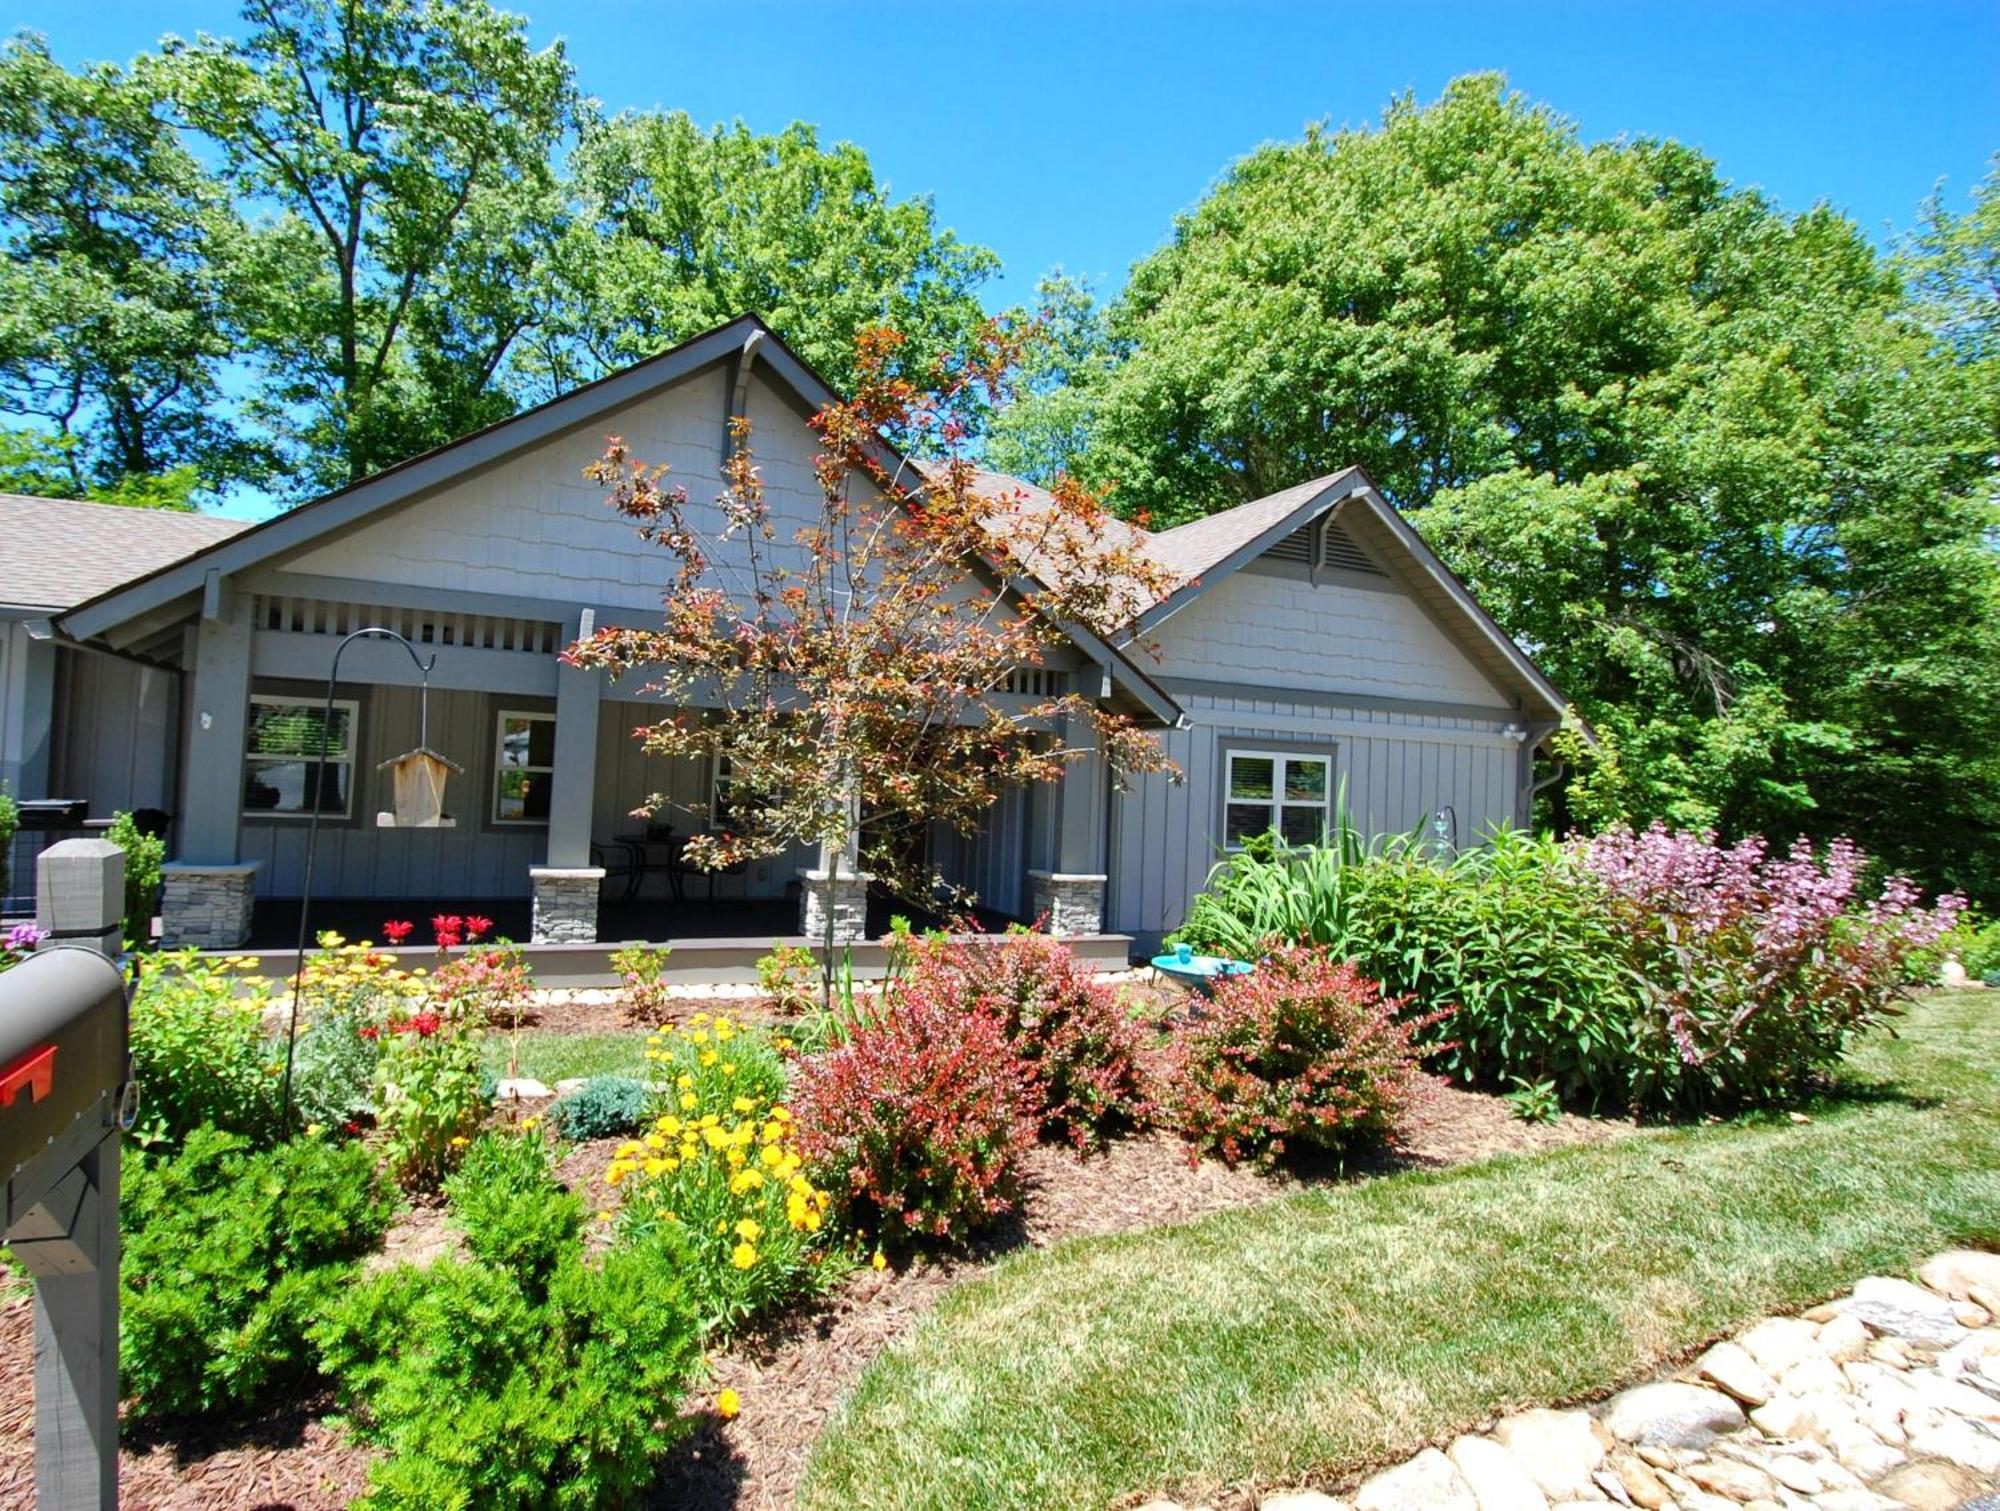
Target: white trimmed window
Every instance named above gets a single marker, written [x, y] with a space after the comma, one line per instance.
[524, 766]
[1274, 790]
[281, 759]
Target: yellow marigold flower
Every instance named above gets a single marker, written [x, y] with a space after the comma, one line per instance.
[735, 1158]
[698, 1019]
[880, 1261]
[782, 1043]
[743, 1256]
[729, 1067]
[770, 1156]
[689, 1101]
[605, 1215]
[626, 1150]
[745, 1181]
[459, 1141]
[669, 1125]
[707, 1058]
[710, 1120]
[655, 1141]
[727, 1404]
[714, 1137]
[699, 1035]
[749, 1230]
[782, 1114]
[657, 1166]
[796, 1212]
[773, 1132]
[743, 1104]
[614, 1174]
[686, 1083]
[690, 1152]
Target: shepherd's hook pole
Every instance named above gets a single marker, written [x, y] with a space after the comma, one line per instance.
[424, 669]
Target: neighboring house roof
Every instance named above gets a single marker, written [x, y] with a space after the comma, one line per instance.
[62, 551]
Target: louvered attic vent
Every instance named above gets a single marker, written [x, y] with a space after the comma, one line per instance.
[1336, 549]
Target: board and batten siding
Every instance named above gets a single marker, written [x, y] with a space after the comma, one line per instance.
[1398, 770]
[116, 741]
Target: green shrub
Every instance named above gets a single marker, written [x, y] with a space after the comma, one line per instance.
[643, 969]
[333, 1069]
[145, 854]
[483, 1398]
[1303, 1053]
[229, 1257]
[515, 1215]
[430, 1094]
[602, 1107]
[200, 1051]
[1977, 946]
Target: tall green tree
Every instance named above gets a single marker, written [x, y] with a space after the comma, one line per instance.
[1703, 457]
[405, 149]
[678, 228]
[117, 258]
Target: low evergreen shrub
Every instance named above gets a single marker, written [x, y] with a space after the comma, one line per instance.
[230, 1255]
[483, 1397]
[515, 1214]
[602, 1107]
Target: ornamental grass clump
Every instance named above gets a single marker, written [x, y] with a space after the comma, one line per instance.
[1758, 970]
[1304, 1053]
[919, 1122]
[1070, 1031]
[719, 1173]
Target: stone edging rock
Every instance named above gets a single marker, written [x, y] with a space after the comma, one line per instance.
[1886, 1398]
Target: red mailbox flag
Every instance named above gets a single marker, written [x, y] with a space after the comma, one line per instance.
[35, 1072]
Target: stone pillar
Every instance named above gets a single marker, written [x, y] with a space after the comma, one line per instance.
[1068, 902]
[80, 895]
[846, 899]
[1069, 895]
[565, 903]
[207, 906]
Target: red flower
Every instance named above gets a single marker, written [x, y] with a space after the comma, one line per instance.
[370, 1032]
[475, 926]
[423, 1025]
[397, 930]
[449, 929]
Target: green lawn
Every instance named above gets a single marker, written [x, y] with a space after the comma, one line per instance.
[550, 1058]
[1344, 1327]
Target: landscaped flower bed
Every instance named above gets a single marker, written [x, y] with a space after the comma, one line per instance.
[744, 1193]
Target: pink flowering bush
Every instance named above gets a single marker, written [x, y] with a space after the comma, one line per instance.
[1069, 1030]
[1757, 969]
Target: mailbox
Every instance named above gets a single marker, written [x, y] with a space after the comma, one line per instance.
[65, 1088]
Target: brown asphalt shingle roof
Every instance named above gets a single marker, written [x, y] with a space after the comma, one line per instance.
[57, 552]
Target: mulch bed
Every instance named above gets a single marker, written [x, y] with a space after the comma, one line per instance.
[791, 1373]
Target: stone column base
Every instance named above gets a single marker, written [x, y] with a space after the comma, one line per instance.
[565, 903]
[1068, 902]
[848, 900]
[207, 906]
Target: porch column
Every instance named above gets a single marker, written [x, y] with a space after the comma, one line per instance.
[207, 893]
[566, 887]
[1069, 895]
[844, 901]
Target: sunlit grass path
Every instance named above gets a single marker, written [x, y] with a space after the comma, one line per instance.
[1322, 1332]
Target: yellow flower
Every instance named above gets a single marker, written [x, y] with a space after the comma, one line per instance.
[714, 1137]
[743, 1104]
[614, 1173]
[669, 1125]
[314, 1130]
[743, 1256]
[459, 1141]
[749, 1230]
[657, 1166]
[880, 1261]
[770, 1156]
[626, 1150]
[655, 1141]
[689, 1101]
[690, 1151]
[530, 1123]
[729, 1067]
[605, 1215]
[698, 1035]
[707, 1057]
[686, 1083]
[727, 1404]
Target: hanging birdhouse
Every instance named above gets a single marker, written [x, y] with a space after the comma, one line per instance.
[419, 776]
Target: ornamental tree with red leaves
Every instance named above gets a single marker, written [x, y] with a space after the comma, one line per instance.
[848, 664]
[1303, 1053]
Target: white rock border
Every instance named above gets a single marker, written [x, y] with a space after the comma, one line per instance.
[1884, 1399]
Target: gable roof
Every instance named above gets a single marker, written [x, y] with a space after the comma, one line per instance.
[62, 551]
[160, 586]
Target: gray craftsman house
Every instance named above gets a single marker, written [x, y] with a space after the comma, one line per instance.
[1312, 643]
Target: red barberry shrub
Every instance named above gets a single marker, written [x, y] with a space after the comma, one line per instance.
[918, 1122]
[1304, 1052]
[1068, 1029]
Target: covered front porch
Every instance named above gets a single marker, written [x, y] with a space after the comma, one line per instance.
[557, 823]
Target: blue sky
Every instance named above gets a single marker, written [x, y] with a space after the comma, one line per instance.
[1071, 133]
